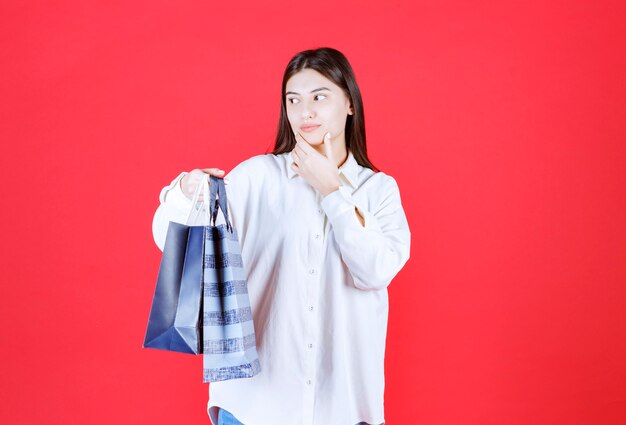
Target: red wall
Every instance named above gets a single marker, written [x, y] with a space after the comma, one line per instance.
[503, 123]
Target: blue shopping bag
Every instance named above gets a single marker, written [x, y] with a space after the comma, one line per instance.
[175, 316]
[175, 321]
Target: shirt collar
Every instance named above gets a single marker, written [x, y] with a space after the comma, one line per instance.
[349, 169]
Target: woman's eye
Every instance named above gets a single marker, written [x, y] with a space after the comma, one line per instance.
[290, 100]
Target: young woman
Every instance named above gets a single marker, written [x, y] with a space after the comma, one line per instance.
[322, 235]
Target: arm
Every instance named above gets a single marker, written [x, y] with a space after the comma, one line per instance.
[376, 251]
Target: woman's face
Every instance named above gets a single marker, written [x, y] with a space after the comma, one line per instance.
[313, 99]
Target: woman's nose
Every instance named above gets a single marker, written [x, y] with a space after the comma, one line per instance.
[308, 111]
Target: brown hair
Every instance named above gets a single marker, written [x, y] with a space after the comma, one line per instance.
[333, 65]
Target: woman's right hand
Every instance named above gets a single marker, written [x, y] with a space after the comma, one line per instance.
[191, 180]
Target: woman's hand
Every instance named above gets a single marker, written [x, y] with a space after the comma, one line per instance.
[320, 171]
[191, 180]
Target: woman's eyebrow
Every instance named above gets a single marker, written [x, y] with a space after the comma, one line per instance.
[312, 91]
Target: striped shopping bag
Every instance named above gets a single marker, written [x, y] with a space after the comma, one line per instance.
[229, 343]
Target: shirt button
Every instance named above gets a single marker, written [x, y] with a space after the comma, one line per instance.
[319, 211]
[310, 308]
[317, 236]
[308, 382]
[310, 345]
[312, 271]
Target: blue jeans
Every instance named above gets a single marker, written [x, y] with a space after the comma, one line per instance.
[224, 417]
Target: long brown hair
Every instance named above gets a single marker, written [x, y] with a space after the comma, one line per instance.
[333, 65]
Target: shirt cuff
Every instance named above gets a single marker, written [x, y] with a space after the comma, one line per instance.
[173, 194]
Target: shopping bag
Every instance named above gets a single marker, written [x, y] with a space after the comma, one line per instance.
[229, 342]
[175, 316]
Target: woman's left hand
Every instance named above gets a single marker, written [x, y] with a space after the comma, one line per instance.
[320, 171]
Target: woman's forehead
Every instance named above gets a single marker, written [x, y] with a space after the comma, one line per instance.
[308, 80]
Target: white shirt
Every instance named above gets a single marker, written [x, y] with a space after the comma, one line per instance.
[317, 281]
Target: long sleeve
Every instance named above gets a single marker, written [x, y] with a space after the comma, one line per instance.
[174, 206]
[376, 252]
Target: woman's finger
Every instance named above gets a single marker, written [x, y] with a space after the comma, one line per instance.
[305, 145]
[301, 153]
[300, 140]
[214, 171]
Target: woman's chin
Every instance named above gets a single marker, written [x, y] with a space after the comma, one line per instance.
[313, 141]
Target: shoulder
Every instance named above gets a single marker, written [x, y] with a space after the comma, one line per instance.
[387, 201]
[380, 181]
[379, 190]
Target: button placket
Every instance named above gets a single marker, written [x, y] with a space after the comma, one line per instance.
[314, 273]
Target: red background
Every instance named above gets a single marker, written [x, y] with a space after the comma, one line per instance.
[503, 123]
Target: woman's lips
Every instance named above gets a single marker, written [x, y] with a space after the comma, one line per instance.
[309, 128]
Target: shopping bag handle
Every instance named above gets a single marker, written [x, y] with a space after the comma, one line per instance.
[194, 203]
[217, 190]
